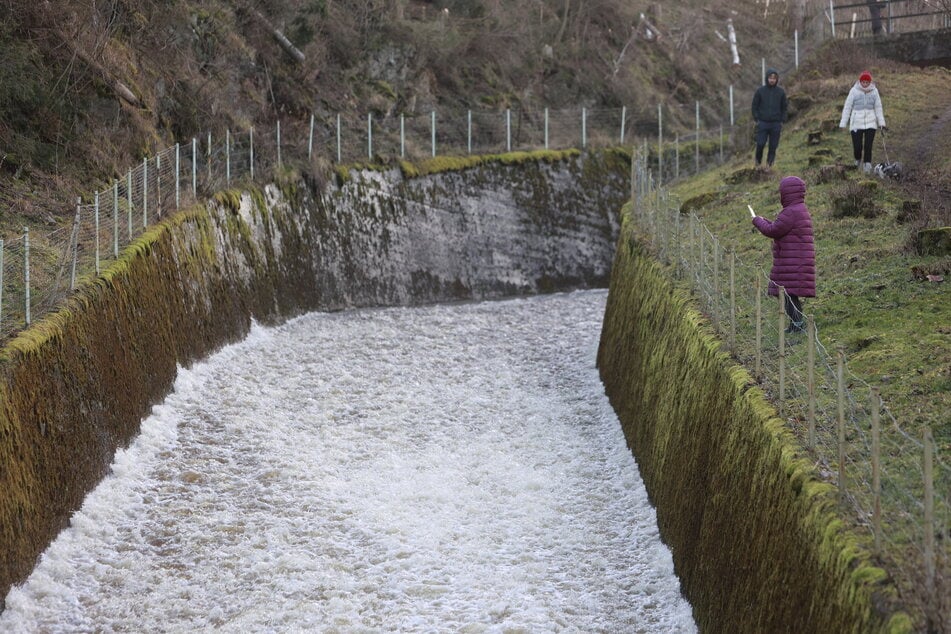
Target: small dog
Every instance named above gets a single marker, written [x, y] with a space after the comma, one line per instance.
[889, 170]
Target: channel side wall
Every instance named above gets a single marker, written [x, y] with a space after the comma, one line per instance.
[754, 532]
[76, 385]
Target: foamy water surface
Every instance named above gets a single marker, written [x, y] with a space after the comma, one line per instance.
[453, 468]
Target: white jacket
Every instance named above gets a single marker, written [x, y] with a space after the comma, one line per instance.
[863, 109]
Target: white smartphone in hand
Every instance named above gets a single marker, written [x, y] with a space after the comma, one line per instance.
[752, 213]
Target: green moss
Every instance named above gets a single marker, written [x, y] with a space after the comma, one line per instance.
[386, 89]
[409, 170]
[229, 198]
[342, 173]
[717, 460]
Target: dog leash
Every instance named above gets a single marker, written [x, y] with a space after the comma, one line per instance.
[884, 149]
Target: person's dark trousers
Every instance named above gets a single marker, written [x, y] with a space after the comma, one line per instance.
[793, 306]
[862, 144]
[767, 132]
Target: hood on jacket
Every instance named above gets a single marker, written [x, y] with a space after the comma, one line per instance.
[792, 190]
[771, 71]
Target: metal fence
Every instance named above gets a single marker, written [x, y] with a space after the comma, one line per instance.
[863, 19]
[882, 470]
[39, 269]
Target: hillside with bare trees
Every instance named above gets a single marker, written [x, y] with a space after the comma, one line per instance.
[88, 89]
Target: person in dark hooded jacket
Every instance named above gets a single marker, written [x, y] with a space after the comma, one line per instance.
[769, 113]
[794, 253]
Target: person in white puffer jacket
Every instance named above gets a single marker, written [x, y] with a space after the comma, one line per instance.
[862, 113]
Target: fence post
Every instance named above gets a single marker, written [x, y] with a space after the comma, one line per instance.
[700, 280]
[811, 377]
[508, 129]
[96, 225]
[680, 245]
[840, 374]
[115, 219]
[832, 16]
[665, 227]
[623, 118]
[26, 270]
[876, 471]
[402, 136]
[758, 364]
[796, 47]
[469, 131]
[310, 139]
[228, 157]
[432, 126]
[72, 277]
[732, 300]
[338, 139]
[208, 153]
[370, 135]
[660, 144]
[762, 72]
[177, 173]
[584, 128]
[194, 168]
[158, 184]
[279, 163]
[145, 193]
[251, 152]
[546, 128]
[633, 182]
[715, 298]
[128, 198]
[929, 554]
[782, 351]
[694, 264]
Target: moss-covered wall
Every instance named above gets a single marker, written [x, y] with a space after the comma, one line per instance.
[755, 538]
[75, 386]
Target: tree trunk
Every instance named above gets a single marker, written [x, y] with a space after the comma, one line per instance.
[285, 43]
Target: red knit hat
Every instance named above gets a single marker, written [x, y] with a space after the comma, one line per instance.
[865, 76]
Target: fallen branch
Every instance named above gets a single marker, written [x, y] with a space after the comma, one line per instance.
[285, 43]
[121, 90]
[733, 49]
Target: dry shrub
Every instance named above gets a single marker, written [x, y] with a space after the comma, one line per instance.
[749, 175]
[831, 173]
[909, 211]
[698, 202]
[855, 199]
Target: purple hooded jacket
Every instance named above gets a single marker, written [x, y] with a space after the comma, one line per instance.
[794, 253]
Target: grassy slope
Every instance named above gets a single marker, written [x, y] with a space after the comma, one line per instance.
[896, 330]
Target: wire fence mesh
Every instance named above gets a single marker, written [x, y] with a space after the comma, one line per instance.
[38, 270]
[892, 477]
[863, 19]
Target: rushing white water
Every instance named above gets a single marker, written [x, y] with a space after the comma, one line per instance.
[447, 468]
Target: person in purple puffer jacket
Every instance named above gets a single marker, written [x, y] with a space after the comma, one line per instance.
[794, 252]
